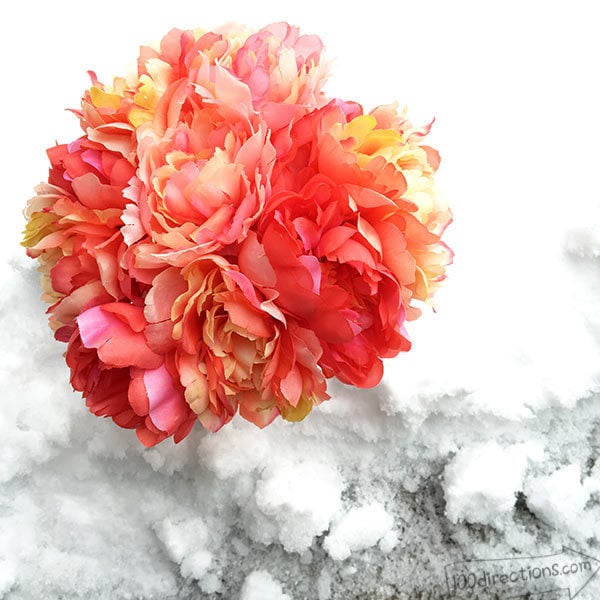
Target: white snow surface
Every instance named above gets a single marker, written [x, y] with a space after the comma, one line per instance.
[480, 443]
[360, 528]
[259, 585]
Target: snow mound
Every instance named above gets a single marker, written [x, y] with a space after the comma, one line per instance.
[482, 480]
[360, 528]
[259, 585]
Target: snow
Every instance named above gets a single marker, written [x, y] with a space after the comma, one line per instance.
[560, 499]
[480, 443]
[259, 585]
[483, 480]
[183, 542]
[360, 528]
[299, 499]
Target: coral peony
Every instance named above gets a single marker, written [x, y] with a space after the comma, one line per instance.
[224, 237]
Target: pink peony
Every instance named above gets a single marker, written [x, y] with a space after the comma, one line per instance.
[284, 72]
[121, 377]
[223, 237]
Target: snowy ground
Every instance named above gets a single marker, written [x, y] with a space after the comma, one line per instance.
[482, 443]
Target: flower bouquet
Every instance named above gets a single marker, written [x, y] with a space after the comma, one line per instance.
[224, 237]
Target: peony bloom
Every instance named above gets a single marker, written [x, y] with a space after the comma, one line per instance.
[284, 72]
[379, 161]
[223, 237]
[326, 265]
[121, 377]
[74, 228]
[193, 199]
[232, 346]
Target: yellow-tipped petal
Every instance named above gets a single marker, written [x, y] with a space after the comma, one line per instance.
[38, 227]
[297, 413]
[139, 116]
[360, 127]
[101, 99]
